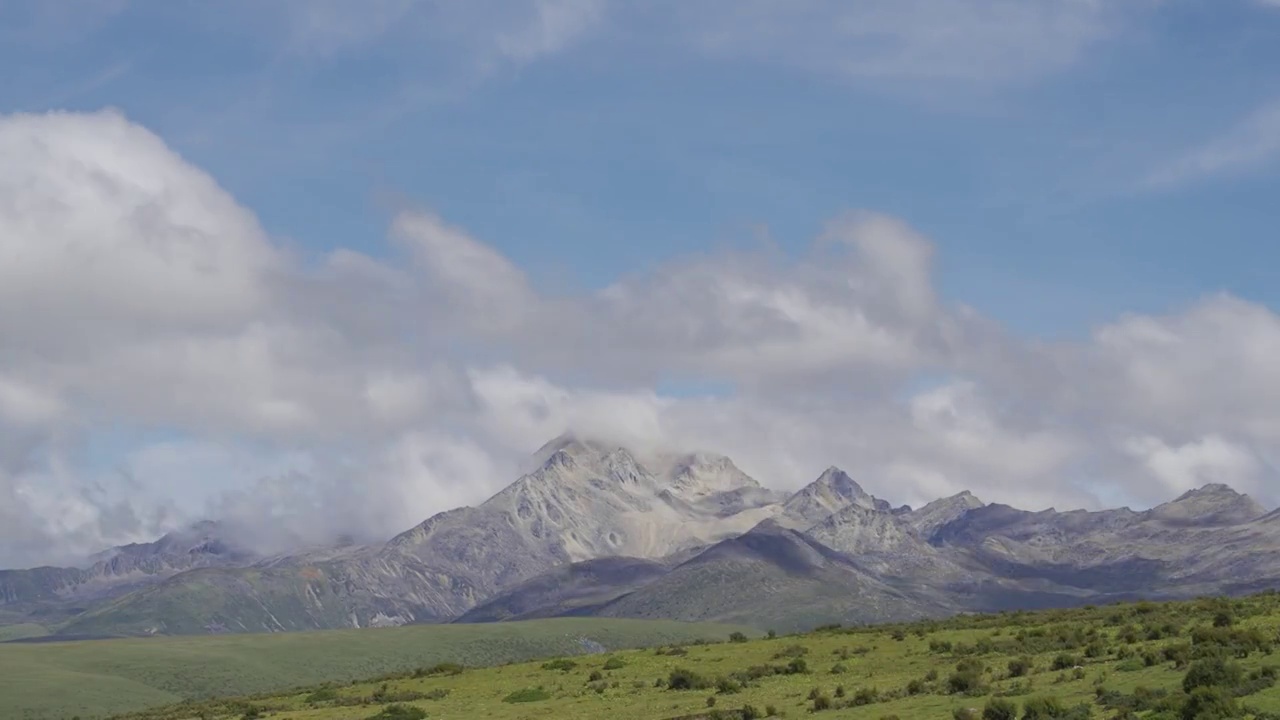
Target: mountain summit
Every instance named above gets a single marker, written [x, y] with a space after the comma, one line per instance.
[1212, 504]
[833, 490]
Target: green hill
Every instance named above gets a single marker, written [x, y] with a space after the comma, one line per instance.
[95, 678]
[1120, 661]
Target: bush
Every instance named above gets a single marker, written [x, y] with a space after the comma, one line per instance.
[595, 676]
[321, 695]
[561, 664]
[866, 696]
[527, 695]
[821, 702]
[965, 681]
[614, 663]
[1209, 703]
[737, 637]
[445, 668]
[726, 686]
[1000, 709]
[1020, 667]
[685, 679]
[839, 669]
[399, 712]
[1212, 672]
[1064, 661]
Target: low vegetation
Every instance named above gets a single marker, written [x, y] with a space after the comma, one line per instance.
[94, 679]
[1208, 659]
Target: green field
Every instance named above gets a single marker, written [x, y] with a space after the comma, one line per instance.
[101, 677]
[1121, 661]
[25, 630]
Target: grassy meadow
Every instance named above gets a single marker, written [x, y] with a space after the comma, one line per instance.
[1121, 661]
[96, 678]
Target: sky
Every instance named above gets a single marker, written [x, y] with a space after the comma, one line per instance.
[328, 267]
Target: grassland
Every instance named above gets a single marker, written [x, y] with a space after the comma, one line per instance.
[1121, 661]
[21, 631]
[101, 677]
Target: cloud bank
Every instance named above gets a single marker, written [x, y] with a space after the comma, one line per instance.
[162, 358]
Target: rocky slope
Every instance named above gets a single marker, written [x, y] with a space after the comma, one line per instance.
[50, 592]
[592, 528]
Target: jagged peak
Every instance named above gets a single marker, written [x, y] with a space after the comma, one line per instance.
[836, 481]
[1210, 490]
[1213, 503]
[964, 498]
[703, 473]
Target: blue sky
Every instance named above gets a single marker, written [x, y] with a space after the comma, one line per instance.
[622, 147]
[1021, 248]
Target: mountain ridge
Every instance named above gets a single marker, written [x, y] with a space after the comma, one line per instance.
[562, 537]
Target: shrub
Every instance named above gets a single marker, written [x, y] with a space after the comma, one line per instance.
[1019, 667]
[737, 637]
[321, 695]
[527, 695]
[614, 663]
[821, 702]
[966, 713]
[685, 679]
[797, 666]
[561, 664]
[595, 676]
[726, 686]
[1043, 708]
[1212, 672]
[866, 696]
[839, 669]
[791, 651]
[399, 712]
[1064, 661]
[445, 668]
[965, 682]
[1000, 709]
[1209, 703]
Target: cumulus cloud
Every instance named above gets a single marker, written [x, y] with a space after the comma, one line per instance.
[305, 397]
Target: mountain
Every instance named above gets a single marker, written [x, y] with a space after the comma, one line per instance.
[574, 589]
[584, 500]
[590, 527]
[833, 490]
[771, 576]
[52, 591]
[928, 519]
[1213, 504]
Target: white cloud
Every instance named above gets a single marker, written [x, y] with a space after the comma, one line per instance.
[1211, 459]
[347, 394]
[1251, 145]
[972, 41]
